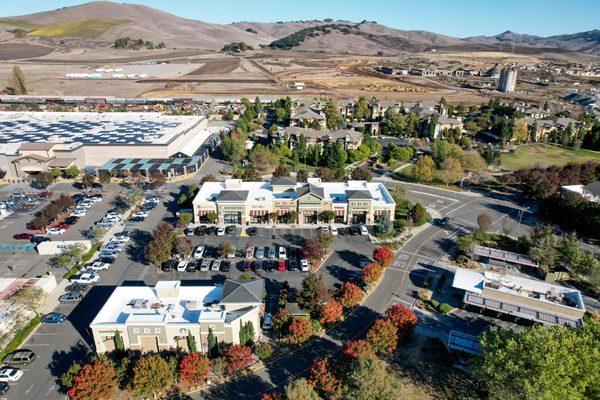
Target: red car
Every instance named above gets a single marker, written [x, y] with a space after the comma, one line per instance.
[23, 236]
[281, 266]
[35, 228]
[63, 226]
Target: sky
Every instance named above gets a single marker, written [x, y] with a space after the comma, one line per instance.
[458, 18]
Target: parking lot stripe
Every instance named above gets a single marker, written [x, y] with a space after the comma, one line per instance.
[37, 345]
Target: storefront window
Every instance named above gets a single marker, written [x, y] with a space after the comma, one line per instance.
[232, 217]
[359, 217]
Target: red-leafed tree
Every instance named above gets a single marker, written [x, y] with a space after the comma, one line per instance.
[313, 250]
[350, 295]
[384, 256]
[357, 348]
[271, 396]
[404, 319]
[300, 331]
[237, 358]
[371, 273]
[331, 312]
[324, 379]
[95, 381]
[383, 336]
[194, 369]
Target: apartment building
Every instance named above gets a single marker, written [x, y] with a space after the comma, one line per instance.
[521, 297]
[285, 200]
[169, 314]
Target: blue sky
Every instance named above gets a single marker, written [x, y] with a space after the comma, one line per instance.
[458, 18]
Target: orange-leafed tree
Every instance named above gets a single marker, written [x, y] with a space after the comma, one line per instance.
[323, 378]
[371, 273]
[237, 358]
[95, 381]
[271, 396]
[331, 312]
[357, 348]
[350, 295]
[194, 369]
[384, 256]
[300, 331]
[383, 336]
[404, 319]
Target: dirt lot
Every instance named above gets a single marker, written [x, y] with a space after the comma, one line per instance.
[10, 51]
[219, 66]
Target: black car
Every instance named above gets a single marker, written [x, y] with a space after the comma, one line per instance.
[192, 267]
[225, 266]
[257, 266]
[342, 231]
[353, 230]
[200, 230]
[108, 260]
[230, 230]
[4, 387]
[293, 265]
[71, 220]
[246, 266]
[137, 219]
[76, 288]
[40, 239]
[77, 197]
[211, 230]
[170, 265]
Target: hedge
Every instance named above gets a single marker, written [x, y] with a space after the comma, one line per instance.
[85, 258]
[15, 343]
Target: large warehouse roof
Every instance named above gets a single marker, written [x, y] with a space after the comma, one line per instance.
[73, 128]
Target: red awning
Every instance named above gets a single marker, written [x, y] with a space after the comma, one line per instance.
[377, 212]
[203, 213]
[339, 213]
[281, 212]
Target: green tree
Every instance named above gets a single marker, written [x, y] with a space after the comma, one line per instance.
[424, 169]
[44, 179]
[72, 172]
[301, 389]
[332, 113]
[17, 82]
[191, 342]
[419, 214]
[361, 174]
[88, 180]
[233, 147]
[451, 171]
[213, 345]
[151, 376]
[384, 224]
[119, 341]
[440, 151]
[362, 111]
[519, 131]
[369, 379]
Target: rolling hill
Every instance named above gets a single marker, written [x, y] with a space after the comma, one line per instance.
[102, 22]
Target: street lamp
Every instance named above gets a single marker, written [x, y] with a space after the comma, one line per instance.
[520, 217]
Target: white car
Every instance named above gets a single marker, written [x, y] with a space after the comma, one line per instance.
[93, 199]
[55, 231]
[267, 321]
[140, 214]
[109, 253]
[120, 239]
[220, 231]
[98, 266]
[282, 253]
[154, 200]
[304, 265]
[113, 215]
[78, 213]
[84, 206]
[112, 247]
[9, 374]
[86, 277]
[333, 230]
[363, 230]
[199, 252]
[181, 266]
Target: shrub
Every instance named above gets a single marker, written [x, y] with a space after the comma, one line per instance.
[194, 369]
[383, 336]
[237, 358]
[263, 350]
[300, 331]
[384, 256]
[445, 308]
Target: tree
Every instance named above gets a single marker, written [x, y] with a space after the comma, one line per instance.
[361, 174]
[332, 113]
[194, 369]
[328, 216]
[71, 172]
[561, 363]
[212, 344]
[212, 216]
[331, 312]
[69, 258]
[119, 345]
[263, 350]
[362, 111]
[301, 389]
[384, 225]
[88, 180]
[472, 161]
[183, 245]
[151, 375]
[371, 273]
[159, 249]
[44, 179]
[313, 250]
[263, 158]
[404, 154]
[237, 358]
[323, 378]
[302, 175]
[95, 381]
[369, 379]
[384, 256]
[451, 171]
[226, 247]
[281, 170]
[233, 146]
[282, 321]
[357, 348]
[300, 330]
[404, 319]
[349, 295]
[484, 222]
[440, 151]
[30, 298]
[67, 379]
[424, 169]
[383, 336]
[208, 178]
[314, 291]
[17, 82]
[325, 238]
[247, 334]
[519, 131]
[326, 174]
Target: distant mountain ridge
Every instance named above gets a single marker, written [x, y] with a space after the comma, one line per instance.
[139, 21]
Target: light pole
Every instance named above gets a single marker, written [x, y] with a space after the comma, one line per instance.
[520, 217]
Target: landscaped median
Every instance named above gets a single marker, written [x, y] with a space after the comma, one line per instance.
[84, 259]
[20, 336]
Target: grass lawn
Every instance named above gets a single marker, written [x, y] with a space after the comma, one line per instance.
[544, 155]
[89, 29]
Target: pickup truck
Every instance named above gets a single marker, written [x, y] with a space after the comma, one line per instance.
[86, 277]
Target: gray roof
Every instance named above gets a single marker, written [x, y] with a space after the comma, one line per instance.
[312, 189]
[358, 195]
[233, 195]
[593, 188]
[283, 181]
[306, 113]
[242, 292]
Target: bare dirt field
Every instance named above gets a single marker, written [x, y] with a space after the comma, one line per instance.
[10, 51]
[218, 66]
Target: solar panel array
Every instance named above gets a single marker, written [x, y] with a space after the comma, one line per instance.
[97, 131]
[155, 164]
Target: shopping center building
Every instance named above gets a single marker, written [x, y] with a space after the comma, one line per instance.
[34, 142]
[285, 200]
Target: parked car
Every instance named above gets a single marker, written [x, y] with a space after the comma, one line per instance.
[63, 225]
[216, 265]
[249, 251]
[220, 231]
[353, 230]
[71, 220]
[282, 252]
[293, 265]
[137, 219]
[231, 253]
[252, 231]
[260, 252]
[10, 374]
[257, 266]
[211, 230]
[225, 266]
[23, 236]
[55, 231]
[86, 277]
[205, 265]
[53, 318]
[246, 266]
[107, 259]
[267, 322]
[123, 236]
[184, 211]
[200, 230]
[70, 298]
[181, 266]
[169, 265]
[281, 266]
[109, 253]
[192, 267]
[363, 230]
[19, 357]
[230, 230]
[78, 213]
[4, 388]
[76, 288]
[304, 267]
[271, 252]
[189, 231]
[333, 230]
[40, 239]
[98, 266]
[199, 252]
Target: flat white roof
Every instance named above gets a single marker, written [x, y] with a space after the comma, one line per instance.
[263, 191]
[468, 280]
[142, 305]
